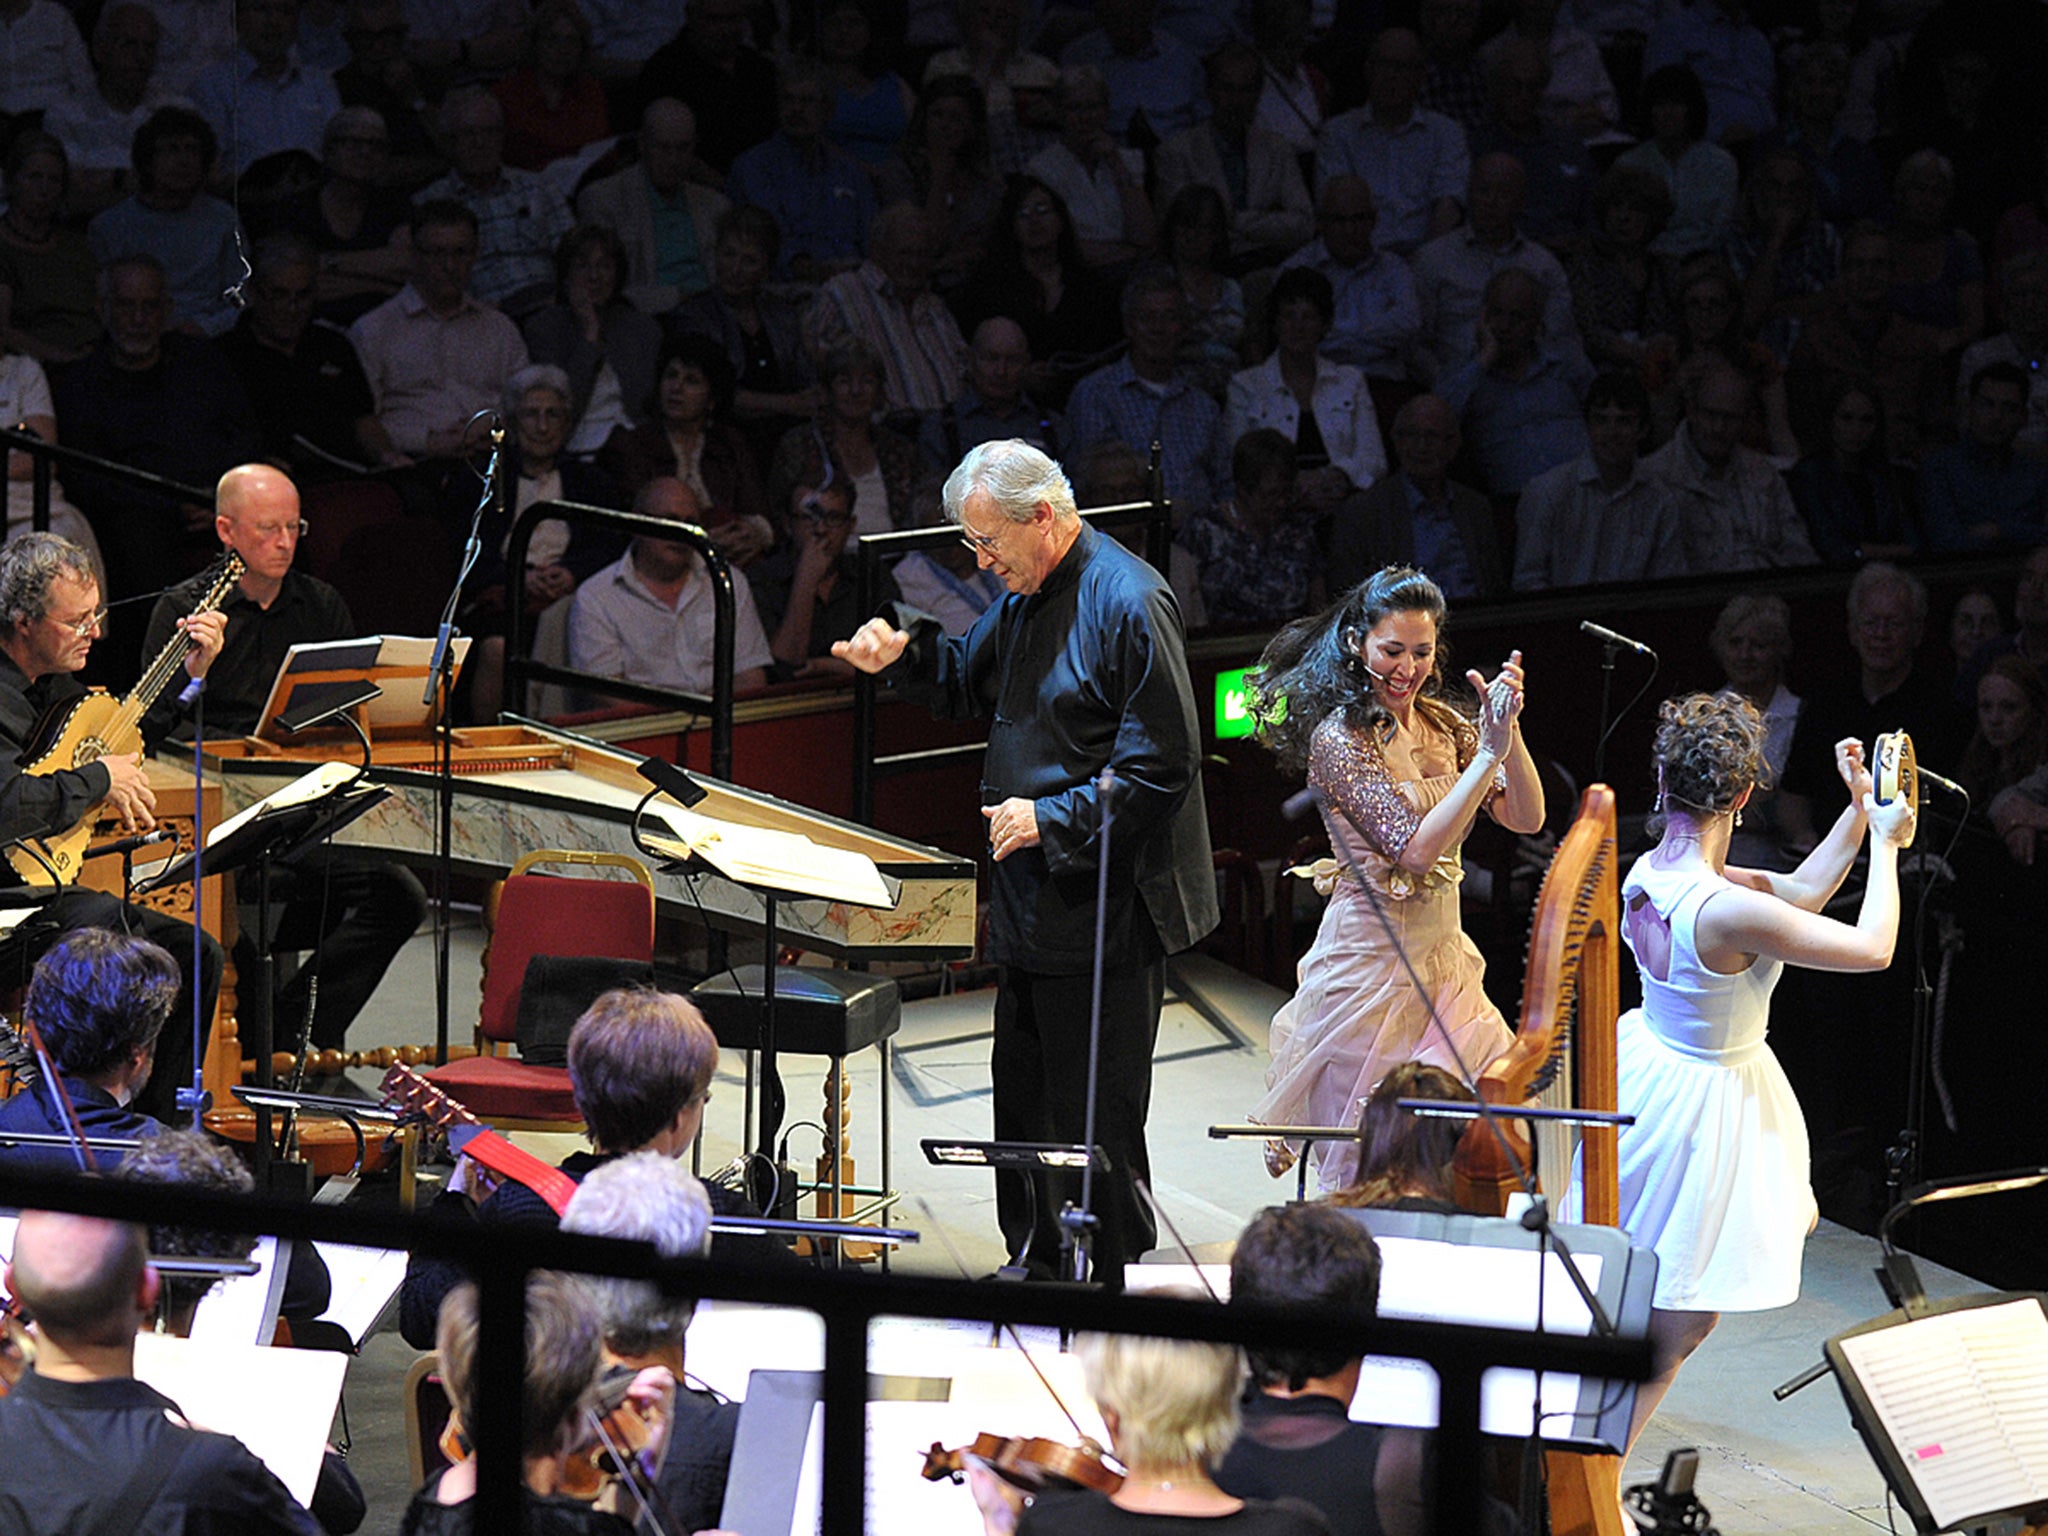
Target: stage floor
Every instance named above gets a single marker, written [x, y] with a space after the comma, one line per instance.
[1794, 1467]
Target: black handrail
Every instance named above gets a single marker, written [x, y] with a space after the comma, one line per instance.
[871, 549]
[18, 439]
[520, 668]
[501, 1256]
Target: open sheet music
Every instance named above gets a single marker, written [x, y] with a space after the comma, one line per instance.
[396, 663]
[777, 861]
[1963, 1397]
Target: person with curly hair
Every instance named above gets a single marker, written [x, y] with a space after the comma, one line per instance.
[1355, 698]
[1715, 1168]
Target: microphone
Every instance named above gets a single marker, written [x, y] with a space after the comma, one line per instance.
[130, 844]
[1300, 805]
[1934, 778]
[1612, 637]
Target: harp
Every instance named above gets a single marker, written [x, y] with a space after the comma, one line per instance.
[1564, 1057]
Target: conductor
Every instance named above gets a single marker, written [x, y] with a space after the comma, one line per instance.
[1082, 667]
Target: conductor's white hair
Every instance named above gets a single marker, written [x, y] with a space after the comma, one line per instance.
[652, 1199]
[1015, 476]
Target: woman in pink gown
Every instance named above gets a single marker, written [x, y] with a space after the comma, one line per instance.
[1354, 698]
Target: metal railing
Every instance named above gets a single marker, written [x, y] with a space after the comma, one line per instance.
[501, 1257]
[44, 456]
[521, 669]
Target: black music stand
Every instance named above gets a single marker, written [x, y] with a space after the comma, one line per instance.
[271, 831]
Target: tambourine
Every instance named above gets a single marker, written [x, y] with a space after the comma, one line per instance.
[1895, 772]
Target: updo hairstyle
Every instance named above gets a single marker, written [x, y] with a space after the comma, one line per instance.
[1709, 749]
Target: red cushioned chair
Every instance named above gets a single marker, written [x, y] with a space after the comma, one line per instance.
[544, 915]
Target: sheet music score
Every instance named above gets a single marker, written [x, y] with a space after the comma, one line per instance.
[783, 861]
[1962, 1396]
[305, 788]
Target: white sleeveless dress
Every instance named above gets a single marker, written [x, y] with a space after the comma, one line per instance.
[1714, 1173]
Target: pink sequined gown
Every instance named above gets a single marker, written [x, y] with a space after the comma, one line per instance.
[1356, 1015]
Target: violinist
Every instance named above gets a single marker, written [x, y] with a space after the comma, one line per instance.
[1171, 1409]
[100, 1000]
[655, 1200]
[50, 611]
[564, 1361]
[86, 1446]
[1298, 1437]
[640, 1065]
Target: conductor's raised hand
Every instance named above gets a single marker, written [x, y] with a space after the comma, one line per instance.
[875, 645]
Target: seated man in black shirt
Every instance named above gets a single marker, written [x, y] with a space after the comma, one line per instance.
[49, 613]
[372, 905]
[86, 1445]
[640, 1065]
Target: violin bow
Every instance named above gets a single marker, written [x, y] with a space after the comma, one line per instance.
[67, 1112]
[653, 1507]
[931, 1221]
[1159, 1214]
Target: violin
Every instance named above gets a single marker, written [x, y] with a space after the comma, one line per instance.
[1027, 1463]
[622, 1430]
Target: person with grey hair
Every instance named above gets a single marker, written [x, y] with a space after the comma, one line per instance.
[95, 116]
[50, 612]
[1085, 669]
[888, 302]
[1102, 182]
[668, 259]
[1734, 508]
[1752, 642]
[1146, 396]
[654, 1199]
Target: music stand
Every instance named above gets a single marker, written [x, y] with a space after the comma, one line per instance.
[304, 813]
[1947, 1397]
[776, 867]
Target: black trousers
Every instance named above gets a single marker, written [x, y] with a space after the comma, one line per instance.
[78, 908]
[357, 909]
[1040, 1072]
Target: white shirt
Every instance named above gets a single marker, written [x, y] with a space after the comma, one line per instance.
[41, 56]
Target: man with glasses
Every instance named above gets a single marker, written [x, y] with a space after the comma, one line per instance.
[50, 613]
[371, 906]
[1084, 668]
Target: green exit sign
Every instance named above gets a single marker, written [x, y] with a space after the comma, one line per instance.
[1233, 704]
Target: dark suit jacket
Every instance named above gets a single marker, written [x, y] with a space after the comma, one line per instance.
[1374, 528]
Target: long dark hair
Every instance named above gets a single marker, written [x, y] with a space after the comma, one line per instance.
[1005, 258]
[1311, 670]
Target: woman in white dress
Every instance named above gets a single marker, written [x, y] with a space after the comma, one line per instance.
[1714, 1173]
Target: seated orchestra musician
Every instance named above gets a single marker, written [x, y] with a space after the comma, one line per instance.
[1297, 1436]
[49, 615]
[564, 1365]
[654, 1199]
[640, 1065]
[87, 1447]
[1404, 1160]
[370, 905]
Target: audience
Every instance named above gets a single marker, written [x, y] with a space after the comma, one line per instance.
[996, 402]
[1323, 407]
[1783, 250]
[44, 54]
[554, 104]
[666, 222]
[887, 302]
[1822, 128]
[1560, 173]
[845, 438]
[1416, 161]
[760, 328]
[357, 225]
[1621, 289]
[1453, 271]
[1711, 335]
[48, 308]
[2011, 739]
[1732, 59]
[646, 617]
[193, 236]
[1019, 85]
[1147, 396]
[1937, 270]
[1600, 518]
[1849, 492]
[1250, 167]
[520, 217]
[686, 436]
[1454, 84]
[1150, 74]
[265, 99]
[1256, 555]
[1733, 508]
[1194, 240]
[870, 106]
[821, 197]
[95, 120]
[1979, 493]
[2023, 293]
[1101, 183]
[380, 75]
[816, 601]
[606, 346]
[1575, 92]
[1296, 92]
[1419, 515]
[434, 354]
[1701, 176]
[1520, 400]
[711, 68]
[942, 166]
[1377, 320]
[1752, 641]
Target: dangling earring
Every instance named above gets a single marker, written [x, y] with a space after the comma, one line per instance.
[1660, 800]
[1738, 815]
